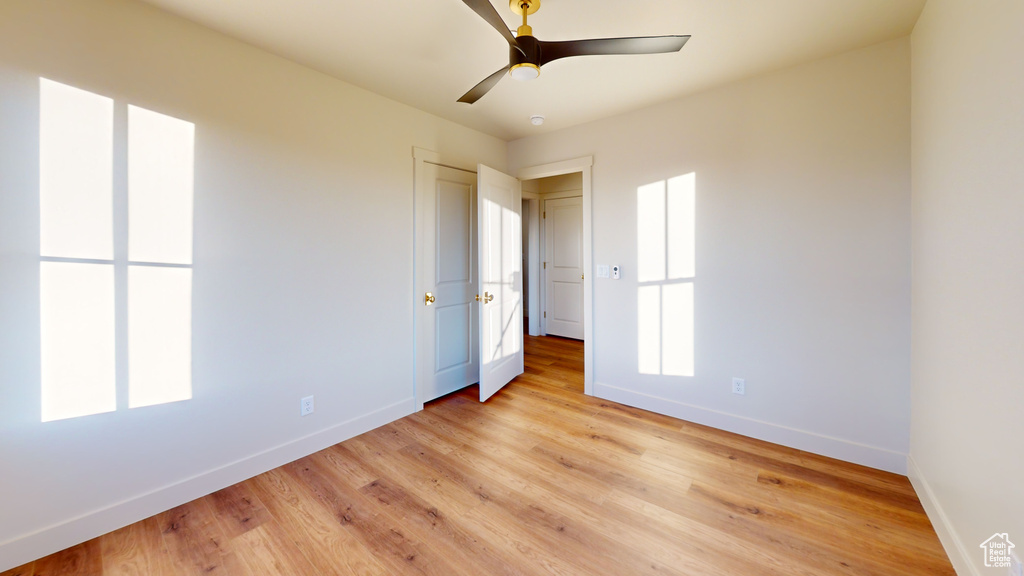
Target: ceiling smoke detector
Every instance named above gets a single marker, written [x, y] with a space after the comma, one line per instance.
[536, 119]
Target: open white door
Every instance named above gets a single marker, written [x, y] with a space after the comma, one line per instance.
[499, 201]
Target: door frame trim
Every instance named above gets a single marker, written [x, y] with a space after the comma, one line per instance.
[420, 157]
[531, 228]
[584, 165]
[545, 279]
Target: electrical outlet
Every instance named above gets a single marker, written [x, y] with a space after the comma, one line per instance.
[739, 386]
[306, 406]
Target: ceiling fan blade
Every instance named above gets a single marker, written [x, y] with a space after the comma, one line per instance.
[482, 88]
[486, 11]
[599, 46]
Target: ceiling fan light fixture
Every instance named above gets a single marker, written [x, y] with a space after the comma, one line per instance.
[525, 71]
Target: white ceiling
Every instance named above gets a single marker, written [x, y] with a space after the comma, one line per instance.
[428, 53]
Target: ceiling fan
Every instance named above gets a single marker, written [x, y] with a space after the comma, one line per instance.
[526, 53]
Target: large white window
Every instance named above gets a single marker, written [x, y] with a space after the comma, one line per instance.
[82, 259]
[160, 178]
[159, 335]
[77, 325]
[666, 268]
[76, 243]
[160, 160]
[76, 160]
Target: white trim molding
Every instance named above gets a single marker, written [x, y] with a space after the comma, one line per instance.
[849, 451]
[424, 155]
[46, 541]
[948, 536]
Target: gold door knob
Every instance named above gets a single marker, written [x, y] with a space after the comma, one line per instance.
[488, 297]
[428, 299]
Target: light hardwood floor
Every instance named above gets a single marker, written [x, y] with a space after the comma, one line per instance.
[539, 480]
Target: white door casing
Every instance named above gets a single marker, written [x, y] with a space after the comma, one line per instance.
[584, 165]
[564, 272]
[499, 202]
[532, 308]
[447, 347]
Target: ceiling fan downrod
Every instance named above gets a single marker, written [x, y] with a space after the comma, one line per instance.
[524, 9]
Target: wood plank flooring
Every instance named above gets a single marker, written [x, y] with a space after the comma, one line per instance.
[539, 480]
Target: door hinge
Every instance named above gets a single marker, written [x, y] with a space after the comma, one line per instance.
[545, 314]
[545, 214]
[545, 265]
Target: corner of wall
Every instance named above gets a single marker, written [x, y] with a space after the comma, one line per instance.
[948, 536]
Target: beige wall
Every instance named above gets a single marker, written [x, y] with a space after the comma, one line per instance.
[303, 266]
[803, 251]
[967, 424]
[561, 183]
[303, 261]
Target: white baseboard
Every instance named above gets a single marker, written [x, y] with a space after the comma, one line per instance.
[951, 541]
[29, 547]
[846, 450]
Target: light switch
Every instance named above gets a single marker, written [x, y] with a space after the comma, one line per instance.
[602, 270]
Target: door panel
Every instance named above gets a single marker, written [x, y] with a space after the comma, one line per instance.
[453, 222]
[500, 244]
[567, 244]
[454, 328]
[447, 337]
[567, 302]
[564, 272]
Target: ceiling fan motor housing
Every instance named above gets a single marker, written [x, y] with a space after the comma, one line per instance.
[529, 55]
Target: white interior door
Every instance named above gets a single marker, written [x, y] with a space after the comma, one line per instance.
[499, 201]
[448, 343]
[564, 267]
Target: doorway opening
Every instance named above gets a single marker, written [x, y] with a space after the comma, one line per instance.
[452, 350]
[557, 275]
[559, 246]
[467, 277]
